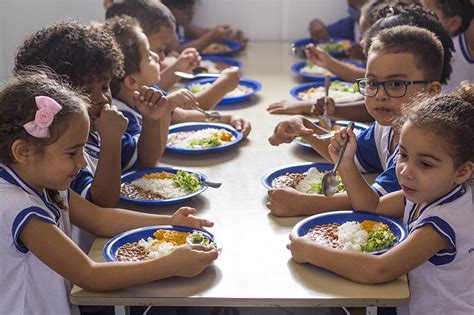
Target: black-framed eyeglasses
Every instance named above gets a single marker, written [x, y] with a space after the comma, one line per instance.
[393, 88]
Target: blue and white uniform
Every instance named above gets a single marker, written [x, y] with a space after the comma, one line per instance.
[346, 28]
[134, 117]
[462, 63]
[444, 284]
[28, 286]
[373, 155]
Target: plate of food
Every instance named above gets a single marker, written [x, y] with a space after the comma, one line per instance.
[200, 138]
[341, 92]
[160, 186]
[310, 71]
[352, 230]
[154, 241]
[225, 47]
[336, 126]
[242, 92]
[216, 64]
[306, 178]
[336, 47]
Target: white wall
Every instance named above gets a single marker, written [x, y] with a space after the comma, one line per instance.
[260, 19]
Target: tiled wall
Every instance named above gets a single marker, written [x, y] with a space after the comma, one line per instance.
[260, 19]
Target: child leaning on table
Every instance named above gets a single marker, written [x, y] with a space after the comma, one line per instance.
[434, 166]
[43, 128]
[402, 61]
[142, 69]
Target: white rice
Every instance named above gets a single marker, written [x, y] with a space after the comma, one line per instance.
[313, 177]
[351, 236]
[192, 136]
[156, 249]
[315, 70]
[210, 66]
[164, 187]
[337, 96]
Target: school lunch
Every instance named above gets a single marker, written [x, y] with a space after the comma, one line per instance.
[339, 91]
[240, 90]
[199, 139]
[309, 182]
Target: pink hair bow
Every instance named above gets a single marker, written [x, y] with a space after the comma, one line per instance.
[47, 109]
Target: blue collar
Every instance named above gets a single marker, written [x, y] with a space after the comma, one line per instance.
[13, 178]
[464, 48]
[391, 155]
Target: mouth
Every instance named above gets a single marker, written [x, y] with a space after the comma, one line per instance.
[408, 190]
[383, 110]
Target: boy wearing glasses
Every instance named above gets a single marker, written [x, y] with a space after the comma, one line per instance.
[402, 61]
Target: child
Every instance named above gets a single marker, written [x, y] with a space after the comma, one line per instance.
[402, 61]
[142, 69]
[183, 11]
[433, 169]
[456, 16]
[158, 24]
[44, 126]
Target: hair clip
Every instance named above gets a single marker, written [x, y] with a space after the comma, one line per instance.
[47, 109]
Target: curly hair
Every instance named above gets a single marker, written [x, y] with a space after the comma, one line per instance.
[18, 106]
[151, 14]
[450, 117]
[125, 29]
[461, 8]
[81, 54]
[373, 10]
[421, 43]
[419, 16]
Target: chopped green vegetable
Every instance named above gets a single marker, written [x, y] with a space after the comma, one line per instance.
[197, 87]
[189, 182]
[339, 86]
[377, 240]
[318, 187]
[332, 47]
[206, 142]
[198, 239]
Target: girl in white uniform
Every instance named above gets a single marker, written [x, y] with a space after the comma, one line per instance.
[43, 128]
[435, 164]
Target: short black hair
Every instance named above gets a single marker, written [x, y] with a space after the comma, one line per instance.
[416, 15]
[151, 14]
[461, 8]
[125, 31]
[79, 53]
[420, 42]
[179, 4]
[373, 10]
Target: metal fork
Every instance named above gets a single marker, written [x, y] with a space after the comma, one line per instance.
[210, 115]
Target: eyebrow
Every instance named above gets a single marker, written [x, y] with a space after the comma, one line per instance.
[422, 154]
[75, 146]
[392, 76]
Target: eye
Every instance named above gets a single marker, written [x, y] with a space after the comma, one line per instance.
[402, 156]
[426, 165]
[372, 83]
[395, 84]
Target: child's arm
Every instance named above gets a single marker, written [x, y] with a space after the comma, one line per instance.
[291, 107]
[217, 33]
[105, 187]
[295, 126]
[420, 246]
[186, 62]
[345, 71]
[211, 96]
[355, 111]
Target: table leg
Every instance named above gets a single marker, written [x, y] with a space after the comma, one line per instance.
[122, 310]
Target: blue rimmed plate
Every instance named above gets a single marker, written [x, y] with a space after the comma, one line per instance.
[302, 227]
[358, 127]
[234, 46]
[111, 247]
[294, 92]
[254, 85]
[195, 126]
[131, 176]
[299, 45]
[296, 69]
[223, 60]
[294, 168]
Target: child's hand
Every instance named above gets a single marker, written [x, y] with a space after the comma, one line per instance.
[298, 247]
[221, 32]
[231, 77]
[181, 98]
[356, 52]
[191, 260]
[111, 123]
[239, 123]
[290, 107]
[317, 56]
[241, 37]
[317, 30]
[336, 145]
[184, 216]
[188, 60]
[288, 129]
[150, 102]
[318, 108]
[285, 202]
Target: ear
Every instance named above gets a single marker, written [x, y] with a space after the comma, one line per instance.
[464, 172]
[131, 82]
[434, 88]
[453, 24]
[22, 151]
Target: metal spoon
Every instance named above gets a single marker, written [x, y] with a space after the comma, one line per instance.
[191, 76]
[325, 122]
[210, 115]
[211, 184]
[324, 136]
[330, 182]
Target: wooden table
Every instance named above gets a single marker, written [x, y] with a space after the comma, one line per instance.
[255, 268]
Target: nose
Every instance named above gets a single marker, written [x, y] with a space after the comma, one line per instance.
[381, 93]
[406, 170]
[81, 161]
